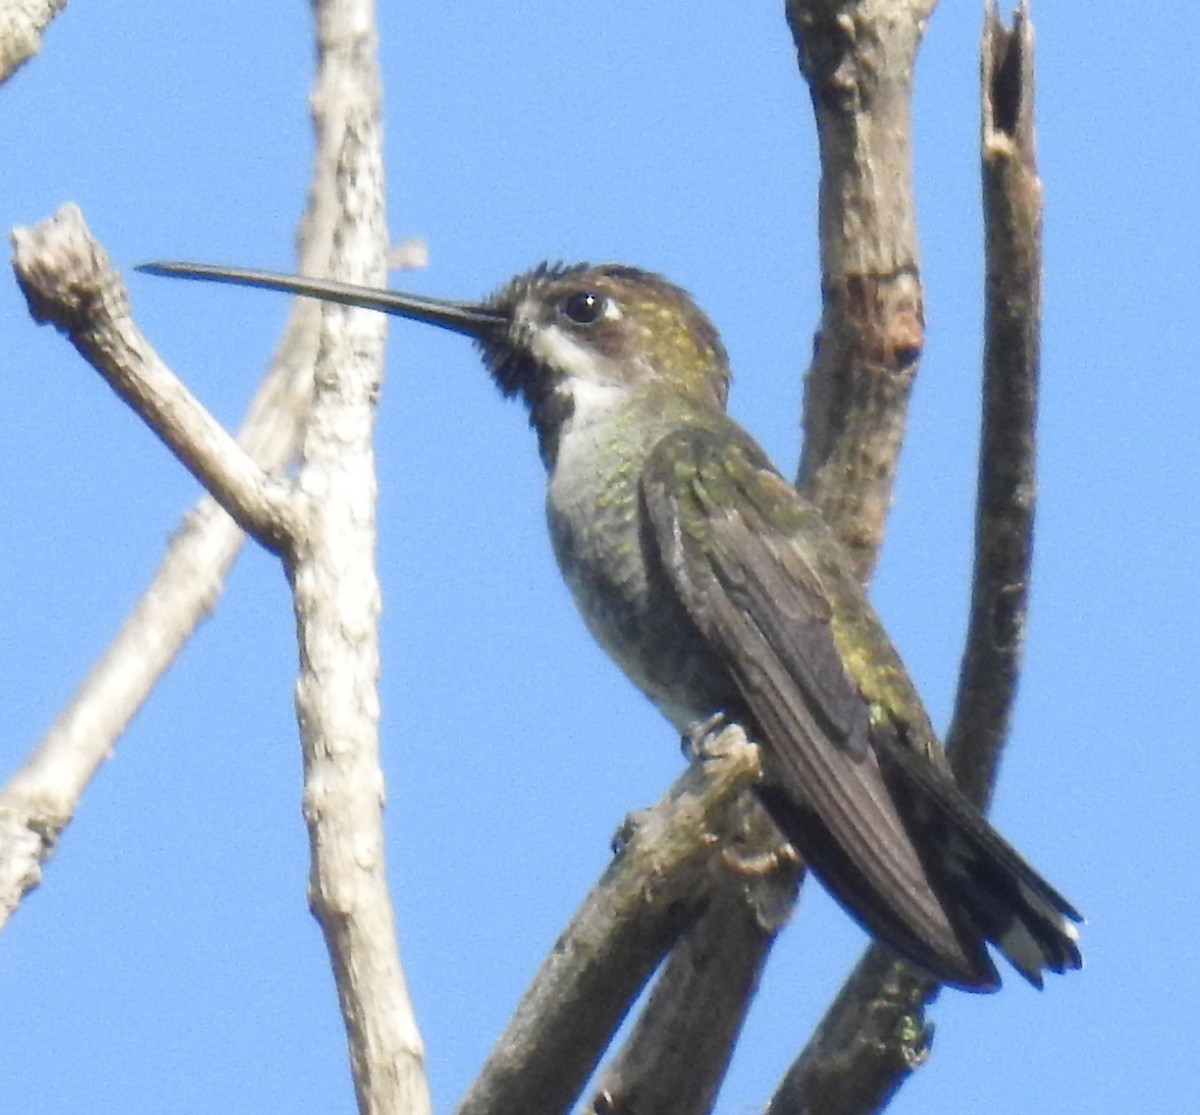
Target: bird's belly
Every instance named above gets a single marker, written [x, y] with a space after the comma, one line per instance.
[610, 564]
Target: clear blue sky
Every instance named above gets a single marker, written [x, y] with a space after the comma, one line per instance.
[168, 963]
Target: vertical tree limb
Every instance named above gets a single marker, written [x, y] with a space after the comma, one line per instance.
[858, 58]
[1012, 194]
[874, 1034]
[331, 567]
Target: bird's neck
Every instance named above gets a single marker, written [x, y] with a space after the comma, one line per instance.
[589, 415]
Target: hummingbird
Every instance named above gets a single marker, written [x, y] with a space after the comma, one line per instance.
[722, 594]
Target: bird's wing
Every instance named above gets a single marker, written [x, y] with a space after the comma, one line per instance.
[725, 524]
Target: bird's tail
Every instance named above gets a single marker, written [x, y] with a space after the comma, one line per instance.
[990, 891]
[967, 886]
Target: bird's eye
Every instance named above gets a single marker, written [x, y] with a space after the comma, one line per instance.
[585, 307]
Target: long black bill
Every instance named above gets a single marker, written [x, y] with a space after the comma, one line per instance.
[472, 318]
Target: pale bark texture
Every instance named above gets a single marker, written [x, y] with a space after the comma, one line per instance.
[322, 524]
[41, 797]
[858, 60]
[22, 24]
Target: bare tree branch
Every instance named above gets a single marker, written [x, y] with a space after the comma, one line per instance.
[676, 1057]
[858, 58]
[331, 566]
[664, 876]
[68, 281]
[22, 23]
[40, 799]
[874, 1034]
[1012, 196]
[324, 527]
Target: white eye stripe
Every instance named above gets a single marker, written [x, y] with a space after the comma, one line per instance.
[555, 347]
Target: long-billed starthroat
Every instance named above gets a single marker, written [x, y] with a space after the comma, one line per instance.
[720, 592]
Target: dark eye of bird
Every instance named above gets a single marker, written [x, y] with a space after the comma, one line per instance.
[585, 307]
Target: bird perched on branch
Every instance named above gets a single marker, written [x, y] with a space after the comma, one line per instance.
[720, 592]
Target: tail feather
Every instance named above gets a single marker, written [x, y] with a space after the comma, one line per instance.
[983, 890]
[998, 896]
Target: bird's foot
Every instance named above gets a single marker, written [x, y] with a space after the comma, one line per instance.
[702, 740]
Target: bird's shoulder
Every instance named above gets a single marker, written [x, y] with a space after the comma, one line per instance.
[740, 543]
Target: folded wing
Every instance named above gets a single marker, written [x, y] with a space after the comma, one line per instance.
[886, 829]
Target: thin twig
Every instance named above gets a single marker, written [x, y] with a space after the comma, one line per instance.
[41, 797]
[68, 281]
